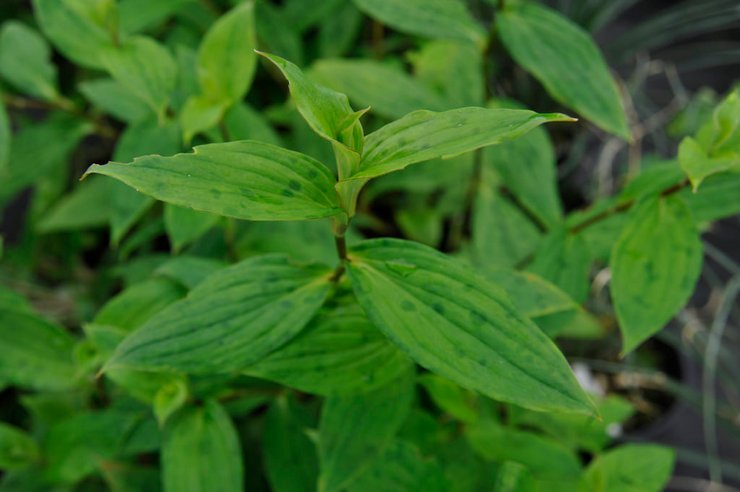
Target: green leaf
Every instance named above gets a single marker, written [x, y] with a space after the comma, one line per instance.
[448, 396]
[189, 270]
[199, 114]
[274, 36]
[245, 123]
[226, 58]
[340, 351]
[446, 19]
[544, 458]
[698, 165]
[146, 68]
[563, 259]
[388, 90]
[355, 430]
[5, 137]
[80, 29]
[139, 15]
[453, 69]
[185, 225]
[630, 468]
[503, 235]
[112, 98]
[565, 59]
[232, 319]
[402, 468]
[655, 265]
[531, 294]
[86, 206]
[136, 304]
[717, 199]
[339, 31]
[457, 324]
[34, 353]
[290, 457]
[246, 180]
[17, 449]
[169, 399]
[327, 112]
[424, 135]
[25, 61]
[201, 451]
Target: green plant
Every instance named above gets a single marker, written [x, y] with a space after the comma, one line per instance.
[279, 343]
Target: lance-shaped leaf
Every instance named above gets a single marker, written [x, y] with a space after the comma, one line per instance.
[565, 59]
[655, 265]
[339, 352]
[25, 61]
[424, 135]
[201, 451]
[226, 58]
[146, 69]
[231, 320]
[447, 19]
[459, 325]
[327, 112]
[246, 180]
[355, 429]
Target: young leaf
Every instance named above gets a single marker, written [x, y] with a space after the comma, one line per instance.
[226, 58]
[698, 165]
[447, 19]
[169, 399]
[424, 135]
[389, 91]
[185, 225]
[655, 265]
[25, 61]
[145, 68]
[34, 353]
[630, 468]
[327, 112]
[75, 30]
[355, 429]
[17, 449]
[455, 323]
[339, 352]
[565, 59]
[201, 451]
[231, 320]
[290, 457]
[246, 180]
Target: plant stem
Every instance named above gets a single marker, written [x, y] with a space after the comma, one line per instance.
[341, 244]
[622, 207]
[225, 134]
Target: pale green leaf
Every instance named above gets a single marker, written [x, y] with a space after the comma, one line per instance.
[17, 449]
[355, 430]
[453, 69]
[451, 398]
[698, 165]
[25, 61]
[459, 325]
[446, 19]
[291, 461]
[544, 458]
[34, 353]
[226, 58]
[201, 451]
[630, 468]
[655, 265]
[243, 122]
[169, 399]
[246, 180]
[424, 135]
[199, 114]
[111, 97]
[338, 352]
[78, 28]
[565, 59]
[231, 320]
[386, 89]
[185, 225]
[146, 68]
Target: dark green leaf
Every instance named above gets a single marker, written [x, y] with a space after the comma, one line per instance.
[430, 18]
[5, 137]
[454, 69]
[201, 451]
[136, 304]
[456, 401]
[630, 468]
[17, 449]
[189, 270]
[339, 352]
[455, 323]
[231, 320]
[424, 135]
[138, 15]
[655, 266]
[563, 259]
[355, 430]
[25, 61]
[246, 180]
[565, 59]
